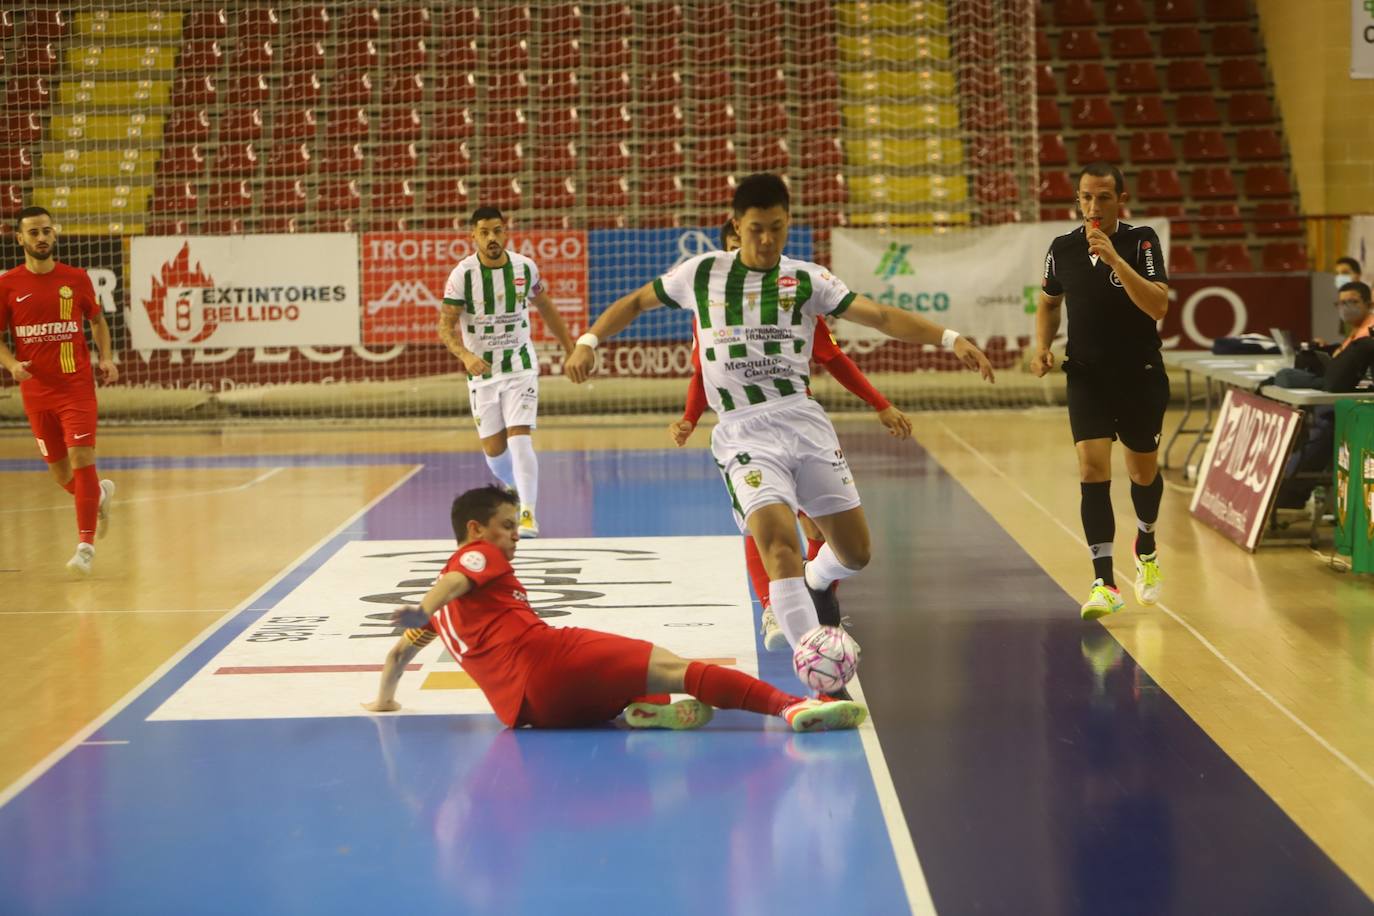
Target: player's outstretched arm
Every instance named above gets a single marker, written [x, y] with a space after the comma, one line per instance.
[448, 587]
[448, 334]
[913, 328]
[553, 320]
[100, 331]
[623, 311]
[1047, 317]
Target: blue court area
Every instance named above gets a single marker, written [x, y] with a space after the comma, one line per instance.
[1037, 768]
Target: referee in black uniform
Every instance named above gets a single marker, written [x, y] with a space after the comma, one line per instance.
[1112, 274]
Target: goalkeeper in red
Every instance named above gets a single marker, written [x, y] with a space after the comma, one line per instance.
[565, 677]
[44, 304]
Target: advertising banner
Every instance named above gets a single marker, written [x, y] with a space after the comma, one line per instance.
[1203, 307]
[404, 273]
[1243, 465]
[243, 291]
[1362, 39]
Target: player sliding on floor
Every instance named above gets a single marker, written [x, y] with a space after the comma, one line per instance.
[844, 371]
[565, 677]
[755, 314]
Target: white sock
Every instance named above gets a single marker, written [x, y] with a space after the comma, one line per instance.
[501, 467]
[792, 606]
[521, 450]
[826, 568]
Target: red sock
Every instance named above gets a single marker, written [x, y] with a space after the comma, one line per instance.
[659, 699]
[87, 490]
[69, 486]
[813, 547]
[758, 576]
[727, 689]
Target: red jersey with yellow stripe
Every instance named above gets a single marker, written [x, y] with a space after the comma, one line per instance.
[45, 315]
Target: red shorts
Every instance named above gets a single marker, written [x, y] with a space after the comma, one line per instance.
[588, 679]
[60, 425]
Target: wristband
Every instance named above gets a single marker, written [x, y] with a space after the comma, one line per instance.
[588, 340]
[948, 338]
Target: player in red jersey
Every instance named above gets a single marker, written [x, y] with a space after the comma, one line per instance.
[44, 304]
[828, 353]
[565, 677]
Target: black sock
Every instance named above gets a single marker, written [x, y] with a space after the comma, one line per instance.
[1099, 527]
[1146, 501]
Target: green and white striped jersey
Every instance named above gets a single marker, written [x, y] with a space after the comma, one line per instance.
[754, 327]
[496, 315]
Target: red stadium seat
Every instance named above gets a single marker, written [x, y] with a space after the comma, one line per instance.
[450, 197]
[1131, 11]
[459, 56]
[22, 126]
[765, 119]
[715, 154]
[554, 193]
[27, 92]
[1220, 221]
[1159, 184]
[558, 124]
[205, 24]
[554, 157]
[190, 125]
[505, 194]
[347, 125]
[1205, 146]
[1229, 257]
[607, 121]
[400, 123]
[395, 157]
[341, 158]
[660, 119]
[1086, 113]
[1284, 257]
[240, 124]
[194, 90]
[1152, 146]
[1181, 260]
[1086, 79]
[359, 22]
[296, 124]
[507, 52]
[1136, 76]
[607, 192]
[1250, 108]
[1223, 10]
[245, 90]
[611, 156]
[1056, 188]
[1044, 80]
[1233, 40]
[1277, 219]
[181, 160]
[1144, 111]
[767, 154]
[1175, 11]
[36, 59]
[299, 89]
[452, 123]
[1047, 114]
[354, 54]
[158, 226]
[1051, 150]
[454, 89]
[257, 24]
[392, 195]
[1079, 44]
[410, 22]
[660, 51]
[661, 192]
[559, 87]
[507, 87]
[607, 87]
[255, 55]
[174, 197]
[816, 152]
[668, 18]
[304, 54]
[235, 160]
[1131, 42]
[461, 21]
[502, 157]
[287, 160]
[1212, 182]
[560, 19]
[199, 55]
[506, 123]
[1188, 76]
[1094, 147]
[1267, 181]
[404, 88]
[284, 196]
[1196, 109]
[16, 163]
[338, 195]
[407, 54]
[609, 17]
[1179, 226]
[1180, 41]
[45, 24]
[1074, 12]
[1242, 73]
[1259, 143]
[988, 150]
[659, 86]
[350, 87]
[712, 192]
[454, 157]
[227, 197]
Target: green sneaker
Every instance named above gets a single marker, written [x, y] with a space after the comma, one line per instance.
[824, 715]
[1147, 578]
[684, 714]
[1102, 600]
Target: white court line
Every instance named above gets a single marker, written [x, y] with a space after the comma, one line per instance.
[903, 847]
[102, 743]
[164, 496]
[80, 737]
[1206, 643]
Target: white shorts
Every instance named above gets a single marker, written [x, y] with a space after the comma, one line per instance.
[787, 455]
[510, 401]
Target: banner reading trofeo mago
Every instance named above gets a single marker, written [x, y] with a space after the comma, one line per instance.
[243, 291]
[404, 274]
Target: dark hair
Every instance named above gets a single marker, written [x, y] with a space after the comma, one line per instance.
[33, 211]
[1100, 169]
[478, 506]
[1351, 263]
[763, 191]
[482, 213]
[727, 232]
[1358, 286]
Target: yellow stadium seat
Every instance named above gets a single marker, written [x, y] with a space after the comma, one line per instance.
[917, 14]
[138, 126]
[150, 25]
[117, 58]
[894, 49]
[901, 117]
[73, 202]
[76, 163]
[899, 190]
[891, 152]
[110, 93]
[880, 84]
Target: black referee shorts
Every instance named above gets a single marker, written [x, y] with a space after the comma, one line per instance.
[1119, 403]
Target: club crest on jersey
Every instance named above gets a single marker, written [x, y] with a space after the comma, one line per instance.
[473, 560]
[786, 302]
[754, 478]
[1116, 281]
[786, 282]
[65, 292]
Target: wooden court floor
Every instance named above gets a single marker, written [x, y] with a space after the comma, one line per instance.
[1269, 653]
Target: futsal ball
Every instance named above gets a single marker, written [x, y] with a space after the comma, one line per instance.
[826, 659]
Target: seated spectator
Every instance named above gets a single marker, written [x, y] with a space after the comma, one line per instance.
[1347, 270]
[1357, 312]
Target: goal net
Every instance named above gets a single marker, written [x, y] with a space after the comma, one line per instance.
[269, 198]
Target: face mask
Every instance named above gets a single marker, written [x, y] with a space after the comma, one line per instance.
[1342, 280]
[1352, 314]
